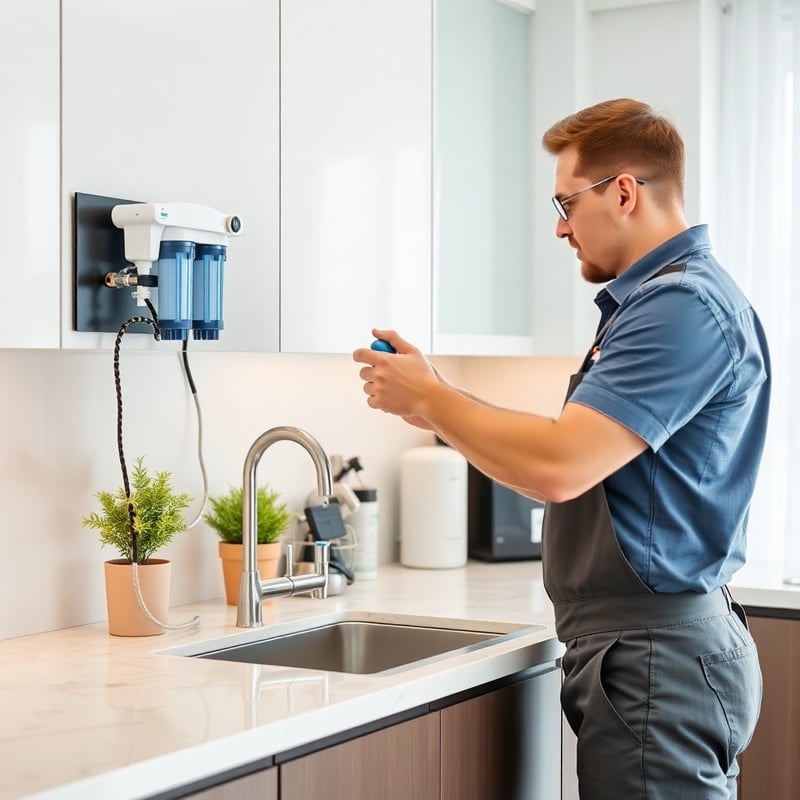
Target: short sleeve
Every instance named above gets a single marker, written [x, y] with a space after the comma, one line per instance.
[663, 358]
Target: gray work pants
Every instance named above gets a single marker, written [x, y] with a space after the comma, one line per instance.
[662, 713]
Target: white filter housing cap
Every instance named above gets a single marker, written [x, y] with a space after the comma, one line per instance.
[145, 225]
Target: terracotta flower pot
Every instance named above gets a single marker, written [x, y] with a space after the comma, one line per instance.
[232, 555]
[125, 616]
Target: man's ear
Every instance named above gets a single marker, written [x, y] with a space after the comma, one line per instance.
[626, 192]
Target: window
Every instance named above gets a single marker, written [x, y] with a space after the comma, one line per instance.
[757, 237]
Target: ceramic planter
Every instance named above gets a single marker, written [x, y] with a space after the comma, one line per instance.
[125, 616]
[232, 555]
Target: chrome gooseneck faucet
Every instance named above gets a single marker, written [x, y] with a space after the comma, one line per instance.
[252, 590]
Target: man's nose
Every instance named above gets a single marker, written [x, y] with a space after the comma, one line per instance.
[563, 229]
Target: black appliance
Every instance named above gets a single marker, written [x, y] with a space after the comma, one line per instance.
[503, 525]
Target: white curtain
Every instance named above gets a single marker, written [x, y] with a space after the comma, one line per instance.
[757, 237]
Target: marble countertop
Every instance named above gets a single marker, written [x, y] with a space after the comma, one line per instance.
[87, 715]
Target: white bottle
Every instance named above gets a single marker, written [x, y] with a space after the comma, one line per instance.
[365, 529]
[433, 508]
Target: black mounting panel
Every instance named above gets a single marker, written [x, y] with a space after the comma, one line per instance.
[100, 248]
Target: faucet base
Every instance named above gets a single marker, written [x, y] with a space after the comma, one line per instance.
[248, 614]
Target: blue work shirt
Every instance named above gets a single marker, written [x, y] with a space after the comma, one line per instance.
[684, 364]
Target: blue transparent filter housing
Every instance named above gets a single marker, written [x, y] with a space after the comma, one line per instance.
[209, 267]
[175, 275]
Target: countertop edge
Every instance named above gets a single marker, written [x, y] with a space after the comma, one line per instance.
[160, 776]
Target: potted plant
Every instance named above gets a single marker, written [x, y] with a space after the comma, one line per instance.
[137, 527]
[225, 517]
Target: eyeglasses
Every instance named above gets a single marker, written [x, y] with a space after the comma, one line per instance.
[562, 208]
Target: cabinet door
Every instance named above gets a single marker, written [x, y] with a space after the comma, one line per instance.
[178, 102]
[258, 786]
[506, 743]
[770, 766]
[482, 178]
[395, 763]
[29, 165]
[355, 172]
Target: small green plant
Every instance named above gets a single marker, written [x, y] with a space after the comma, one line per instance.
[225, 516]
[157, 514]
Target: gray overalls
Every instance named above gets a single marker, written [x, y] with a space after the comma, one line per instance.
[662, 690]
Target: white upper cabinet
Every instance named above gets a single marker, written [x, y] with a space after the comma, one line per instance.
[355, 172]
[176, 102]
[29, 165]
[405, 174]
[482, 177]
[383, 155]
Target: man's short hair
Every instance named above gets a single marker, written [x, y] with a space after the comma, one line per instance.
[623, 135]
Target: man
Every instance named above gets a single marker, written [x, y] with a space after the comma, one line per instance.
[647, 473]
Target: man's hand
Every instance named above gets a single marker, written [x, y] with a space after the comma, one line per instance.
[398, 383]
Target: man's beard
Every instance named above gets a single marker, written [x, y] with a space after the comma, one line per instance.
[593, 274]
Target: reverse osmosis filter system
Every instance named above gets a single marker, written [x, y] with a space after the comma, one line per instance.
[186, 245]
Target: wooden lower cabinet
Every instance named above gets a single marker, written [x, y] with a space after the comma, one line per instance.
[261, 785]
[770, 767]
[504, 744]
[396, 763]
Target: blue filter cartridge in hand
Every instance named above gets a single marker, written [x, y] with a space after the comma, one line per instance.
[383, 346]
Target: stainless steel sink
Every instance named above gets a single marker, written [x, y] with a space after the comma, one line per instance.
[359, 646]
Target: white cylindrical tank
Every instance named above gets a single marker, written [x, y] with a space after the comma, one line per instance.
[433, 508]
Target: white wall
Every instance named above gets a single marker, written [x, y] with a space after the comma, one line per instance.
[58, 433]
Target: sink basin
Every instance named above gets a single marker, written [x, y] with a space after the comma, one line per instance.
[359, 646]
[356, 647]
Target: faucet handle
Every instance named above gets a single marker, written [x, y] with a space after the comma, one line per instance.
[289, 560]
